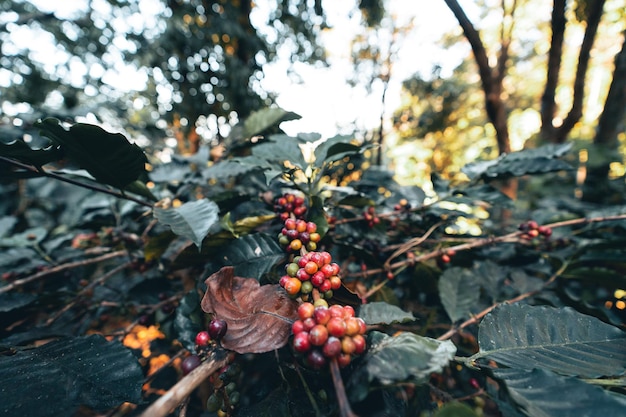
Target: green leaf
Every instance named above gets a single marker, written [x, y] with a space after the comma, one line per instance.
[109, 157]
[406, 357]
[188, 320]
[20, 151]
[529, 161]
[27, 238]
[279, 149]
[14, 300]
[459, 292]
[561, 340]
[542, 393]
[253, 255]
[335, 148]
[261, 120]
[191, 220]
[226, 169]
[380, 312]
[68, 373]
[455, 409]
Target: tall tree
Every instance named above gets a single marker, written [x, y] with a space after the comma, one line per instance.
[200, 58]
[591, 13]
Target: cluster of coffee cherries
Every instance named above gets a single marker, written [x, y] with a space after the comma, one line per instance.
[531, 229]
[297, 234]
[312, 270]
[215, 331]
[322, 333]
[290, 204]
[371, 217]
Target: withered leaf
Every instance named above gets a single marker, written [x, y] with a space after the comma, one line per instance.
[259, 317]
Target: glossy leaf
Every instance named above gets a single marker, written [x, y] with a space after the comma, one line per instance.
[261, 120]
[21, 152]
[65, 374]
[406, 357]
[380, 312]
[459, 292]
[560, 340]
[525, 162]
[541, 393]
[259, 317]
[335, 148]
[191, 220]
[109, 157]
[253, 255]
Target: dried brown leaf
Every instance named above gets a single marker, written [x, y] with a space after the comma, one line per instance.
[259, 317]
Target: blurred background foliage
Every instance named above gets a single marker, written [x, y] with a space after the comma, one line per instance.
[198, 67]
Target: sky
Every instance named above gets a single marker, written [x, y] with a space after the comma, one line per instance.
[327, 103]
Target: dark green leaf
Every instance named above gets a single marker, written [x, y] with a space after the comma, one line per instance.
[542, 393]
[261, 120]
[276, 404]
[561, 340]
[333, 149]
[55, 379]
[226, 169]
[188, 320]
[29, 237]
[11, 301]
[191, 220]
[253, 255]
[459, 292]
[278, 150]
[109, 157]
[380, 312]
[20, 151]
[6, 224]
[529, 161]
[402, 358]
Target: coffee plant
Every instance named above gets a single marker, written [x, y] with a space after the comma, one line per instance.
[286, 277]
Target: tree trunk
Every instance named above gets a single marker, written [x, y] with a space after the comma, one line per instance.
[491, 78]
[548, 102]
[549, 131]
[597, 186]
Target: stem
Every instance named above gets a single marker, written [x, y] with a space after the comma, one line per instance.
[92, 187]
[183, 388]
[54, 270]
[340, 390]
[486, 311]
[308, 392]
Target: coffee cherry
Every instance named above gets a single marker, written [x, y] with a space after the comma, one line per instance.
[320, 303]
[321, 315]
[292, 286]
[359, 344]
[336, 327]
[301, 342]
[315, 359]
[292, 269]
[305, 310]
[347, 345]
[318, 335]
[217, 329]
[203, 338]
[332, 347]
[190, 363]
[306, 287]
[343, 360]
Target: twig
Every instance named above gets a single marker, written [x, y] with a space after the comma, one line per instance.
[340, 390]
[476, 318]
[411, 243]
[26, 280]
[183, 388]
[308, 392]
[92, 187]
[510, 237]
[99, 281]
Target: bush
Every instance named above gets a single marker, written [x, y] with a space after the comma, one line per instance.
[285, 280]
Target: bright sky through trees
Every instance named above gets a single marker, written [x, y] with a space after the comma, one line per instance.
[321, 95]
